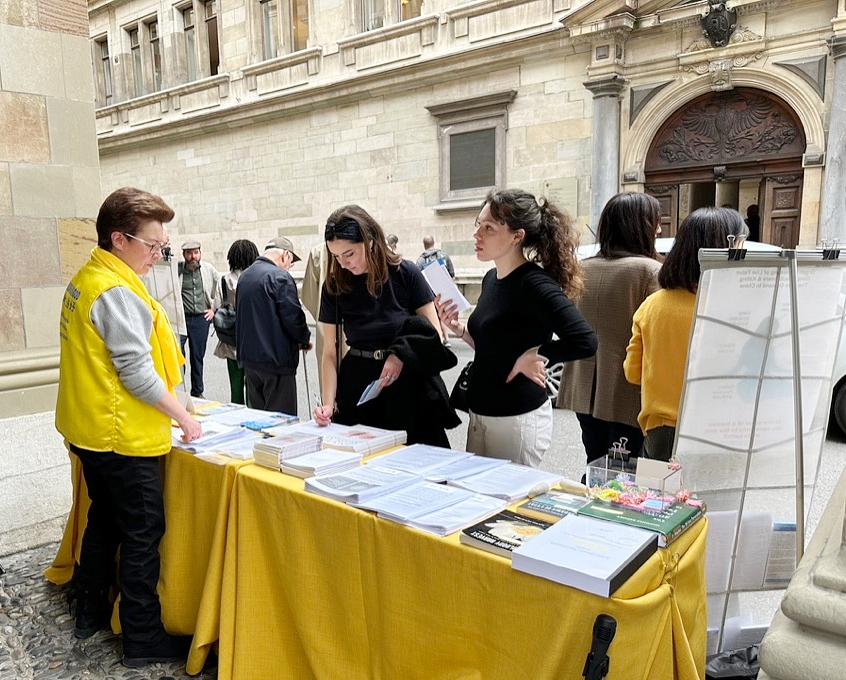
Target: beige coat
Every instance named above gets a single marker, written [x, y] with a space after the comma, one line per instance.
[614, 289]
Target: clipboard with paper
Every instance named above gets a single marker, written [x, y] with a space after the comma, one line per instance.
[442, 284]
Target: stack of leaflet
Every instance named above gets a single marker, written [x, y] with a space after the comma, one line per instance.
[359, 438]
[453, 518]
[272, 451]
[464, 467]
[360, 484]
[204, 408]
[323, 462]
[420, 459]
[416, 500]
[216, 438]
[509, 482]
[252, 419]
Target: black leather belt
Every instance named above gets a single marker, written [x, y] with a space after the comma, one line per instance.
[377, 354]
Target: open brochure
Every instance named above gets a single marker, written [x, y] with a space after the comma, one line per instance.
[360, 484]
[420, 459]
[216, 437]
[442, 284]
[413, 501]
[456, 517]
[510, 482]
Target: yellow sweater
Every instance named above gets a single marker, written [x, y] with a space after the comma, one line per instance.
[657, 355]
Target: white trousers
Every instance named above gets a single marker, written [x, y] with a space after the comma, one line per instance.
[521, 439]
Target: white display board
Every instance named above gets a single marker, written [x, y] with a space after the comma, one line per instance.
[163, 284]
[736, 433]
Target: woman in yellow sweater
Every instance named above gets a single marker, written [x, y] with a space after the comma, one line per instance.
[657, 353]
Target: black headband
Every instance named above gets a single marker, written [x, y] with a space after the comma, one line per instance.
[346, 230]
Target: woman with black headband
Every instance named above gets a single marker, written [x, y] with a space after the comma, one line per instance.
[386, 310]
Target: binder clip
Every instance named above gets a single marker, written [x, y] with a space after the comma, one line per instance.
[736, 249]
[830, 249]
[620, 458]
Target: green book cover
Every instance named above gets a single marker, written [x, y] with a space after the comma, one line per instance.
[669, 524]
[553, 505]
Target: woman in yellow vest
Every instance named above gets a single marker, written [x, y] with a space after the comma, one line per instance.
[119, 364]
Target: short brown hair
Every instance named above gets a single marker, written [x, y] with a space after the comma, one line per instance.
[125, 209]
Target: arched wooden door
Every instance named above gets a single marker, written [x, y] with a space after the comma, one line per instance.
[739, 135]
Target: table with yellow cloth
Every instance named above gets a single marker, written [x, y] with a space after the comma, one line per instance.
[196, 499]
[312, 588]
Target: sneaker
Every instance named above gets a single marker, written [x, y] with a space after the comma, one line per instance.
[169, 648]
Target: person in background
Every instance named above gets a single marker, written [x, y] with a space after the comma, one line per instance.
[392, 241]
[119, 363]
[429, 255]
[753, 221]
[617, 280]
[199, 283]
[657, 352]
[385, 308]
[525, 299]
[242, 254]
[271, 328]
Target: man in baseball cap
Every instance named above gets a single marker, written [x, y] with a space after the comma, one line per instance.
[282, 243]
[199, 281]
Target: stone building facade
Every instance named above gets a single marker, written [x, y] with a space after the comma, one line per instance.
[258, 118]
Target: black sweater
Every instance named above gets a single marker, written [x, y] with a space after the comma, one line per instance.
[514, 314]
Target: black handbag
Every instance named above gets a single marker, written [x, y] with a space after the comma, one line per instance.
[224, 320]
[458, 397]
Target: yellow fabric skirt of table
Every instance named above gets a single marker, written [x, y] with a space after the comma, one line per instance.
[312, 588]
[196, 500]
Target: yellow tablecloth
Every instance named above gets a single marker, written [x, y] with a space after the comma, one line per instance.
[196, 494]
[313, 588]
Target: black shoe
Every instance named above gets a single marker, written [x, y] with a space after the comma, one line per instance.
[93, 612]
[169, 648]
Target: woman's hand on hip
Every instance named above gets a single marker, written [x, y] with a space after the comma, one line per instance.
[191, 429]
[323, 414]
[391, 370]
[532, 365]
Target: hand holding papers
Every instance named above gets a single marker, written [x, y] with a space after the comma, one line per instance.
[442, 284]
[372, 391]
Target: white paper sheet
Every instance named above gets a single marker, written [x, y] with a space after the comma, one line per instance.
[442, 284]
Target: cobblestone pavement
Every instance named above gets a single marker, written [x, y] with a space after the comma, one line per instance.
[36, 632]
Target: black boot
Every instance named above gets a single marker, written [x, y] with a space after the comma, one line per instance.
[93, 613]
[166, 648]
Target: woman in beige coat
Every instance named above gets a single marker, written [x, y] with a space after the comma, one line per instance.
[617, 280]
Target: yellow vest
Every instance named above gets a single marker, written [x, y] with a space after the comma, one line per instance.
[94, 410]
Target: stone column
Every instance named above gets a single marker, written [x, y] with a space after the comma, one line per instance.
[833, 217]
[605, 144]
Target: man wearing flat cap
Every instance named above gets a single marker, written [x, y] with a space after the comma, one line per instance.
[199, 283]
[270, 328]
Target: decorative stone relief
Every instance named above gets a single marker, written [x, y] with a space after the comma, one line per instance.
[719, 24]
[742, 35]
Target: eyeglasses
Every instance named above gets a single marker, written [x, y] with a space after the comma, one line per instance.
[159, 248]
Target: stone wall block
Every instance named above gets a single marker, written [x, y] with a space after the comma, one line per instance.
[32, 61]
[77, 238]
[36, 257]
[19, 12]
[72, 128]
[43, 191]
[11, 320]
[23, 128]
[5, 190]
[40, 314]
[77, 68]
[64, 16]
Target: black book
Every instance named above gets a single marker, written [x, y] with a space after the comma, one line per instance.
[502, 533]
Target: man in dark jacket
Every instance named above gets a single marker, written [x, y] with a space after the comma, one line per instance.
[270, 327]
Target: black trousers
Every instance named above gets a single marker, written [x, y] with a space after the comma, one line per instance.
[394, 409]
[127, 511]
[271, 392]
[659, 442]
[198, 338]
[598, 436]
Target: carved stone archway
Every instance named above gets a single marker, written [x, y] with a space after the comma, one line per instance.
[743, 134]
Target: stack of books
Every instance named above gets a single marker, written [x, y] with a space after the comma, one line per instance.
[318, 463]
[552, 505]
[669, 523]
[271, 452]
[585, 553]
